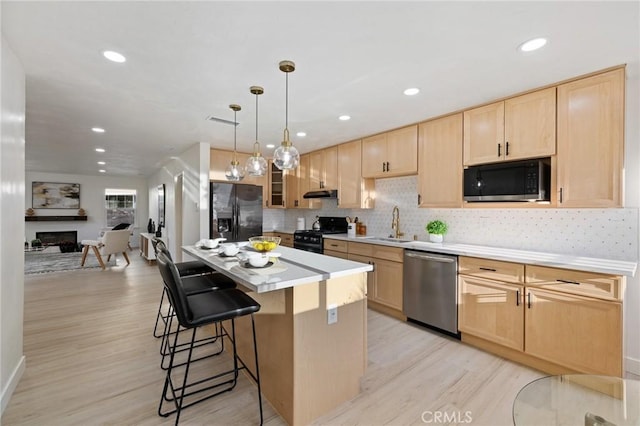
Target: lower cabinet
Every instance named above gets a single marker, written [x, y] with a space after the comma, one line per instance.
[146, 246]
[546, 318]
[384, 285]
[286, 240]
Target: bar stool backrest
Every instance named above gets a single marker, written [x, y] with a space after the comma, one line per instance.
[172, 283]
[160, 246]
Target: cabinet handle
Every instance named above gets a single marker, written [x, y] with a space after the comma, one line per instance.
[333, 245]
[384, 167]
[267, 203]
[506, 149]
[499, 146]
[568, 282]
[295, 203]
[560, 194]
[419, 199]
[517, 297]
[388, 166]
[487, 269]
[529, 300]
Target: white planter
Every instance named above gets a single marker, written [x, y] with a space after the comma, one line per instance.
[435, 238]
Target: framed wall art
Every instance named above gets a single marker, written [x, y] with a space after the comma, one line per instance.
[54, 195]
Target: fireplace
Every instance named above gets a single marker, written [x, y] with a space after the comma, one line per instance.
[54, 238]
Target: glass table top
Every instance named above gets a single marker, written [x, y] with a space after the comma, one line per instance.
[578, 399]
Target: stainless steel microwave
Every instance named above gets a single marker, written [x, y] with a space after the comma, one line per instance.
[527, 180]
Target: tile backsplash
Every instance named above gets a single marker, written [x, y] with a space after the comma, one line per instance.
[604, 233]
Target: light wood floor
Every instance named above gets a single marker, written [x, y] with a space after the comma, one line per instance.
[91, 360]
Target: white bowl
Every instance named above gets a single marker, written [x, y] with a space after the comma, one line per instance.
[212, 243]
[230, 249]
[257, 260]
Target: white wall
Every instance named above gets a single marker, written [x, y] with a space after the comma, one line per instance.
[193, 165]
[92, 190]
[12, 361]
[605, 233]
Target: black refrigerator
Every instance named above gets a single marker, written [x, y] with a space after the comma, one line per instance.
[235, 211]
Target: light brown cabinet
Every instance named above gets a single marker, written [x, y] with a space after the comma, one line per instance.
[323, 169]
[354, 191]
[517, 128]
[554, 319]
[335, 248]
[440, 162]
[385, 287]
[298, 185]
[286, 239]
[391, 154]
[590, 141]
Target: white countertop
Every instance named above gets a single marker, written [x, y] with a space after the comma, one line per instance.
[293, 268]
[579, 263]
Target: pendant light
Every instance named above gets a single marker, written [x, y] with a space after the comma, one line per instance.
[286, 156]
[234, 172]
[256, 164]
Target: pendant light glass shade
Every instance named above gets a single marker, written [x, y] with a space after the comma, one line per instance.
[256, 164]
[286, 156]
[234, 171]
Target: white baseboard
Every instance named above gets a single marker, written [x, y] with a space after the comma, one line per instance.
[632, 365]
[12, 383]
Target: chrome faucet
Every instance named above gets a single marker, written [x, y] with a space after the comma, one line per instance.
[395, 222]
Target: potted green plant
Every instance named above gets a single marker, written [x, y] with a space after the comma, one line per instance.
[436, 229]
[36, 242]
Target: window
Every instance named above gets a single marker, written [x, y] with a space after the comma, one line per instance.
[120, 205]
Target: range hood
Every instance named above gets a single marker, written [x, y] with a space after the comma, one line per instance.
[321, 194]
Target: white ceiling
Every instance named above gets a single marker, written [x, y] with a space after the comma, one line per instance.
[189, 60]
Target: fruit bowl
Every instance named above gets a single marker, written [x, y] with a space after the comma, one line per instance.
[264, 244]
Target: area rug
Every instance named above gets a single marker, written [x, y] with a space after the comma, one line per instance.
[38, 262]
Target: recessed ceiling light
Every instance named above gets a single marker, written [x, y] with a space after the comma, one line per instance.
[271, 146]
[97, 129]
[412, 91]
[533, 44]
[344, 117]
[100, 150]
[102, 171]
[102, 163]
[114, 56]
[301, 134]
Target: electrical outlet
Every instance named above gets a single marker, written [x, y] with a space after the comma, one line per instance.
[332, 314]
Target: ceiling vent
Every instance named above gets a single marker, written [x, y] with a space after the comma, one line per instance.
[222, 120]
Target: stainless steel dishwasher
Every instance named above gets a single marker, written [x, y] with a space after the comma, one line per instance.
[430, 289]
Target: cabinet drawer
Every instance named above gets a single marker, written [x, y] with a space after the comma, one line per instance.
[286, 240]
[335, 245]
[361, 249]
[394, 254]
[491, 269]
[340, 254]
[576, 282]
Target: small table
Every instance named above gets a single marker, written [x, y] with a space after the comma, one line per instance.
[576, 399]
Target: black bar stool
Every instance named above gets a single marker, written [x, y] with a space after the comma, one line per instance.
[195, 311]
[209, 280]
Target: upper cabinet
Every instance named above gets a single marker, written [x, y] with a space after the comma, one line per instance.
[298, 183]
[590, 141]
[323, 169]
[219, 160]
[517, 128]
[440, 162]
[354, 191]
[391, 154]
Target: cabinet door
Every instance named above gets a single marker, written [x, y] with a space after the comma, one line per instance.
[530, 125]
[387, 288]
[303, 176]
[330, 168]
[292, 180]
[374, 156]
[370, 275]
[440, 162]
[590, 141]
[402, 152]
[581, 333]
[354, 191]
[491, 310]
[316, 170]
[484, 134]
[218, 162]
[276, 187]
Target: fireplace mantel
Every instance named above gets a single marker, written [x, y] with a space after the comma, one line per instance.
[53, 218]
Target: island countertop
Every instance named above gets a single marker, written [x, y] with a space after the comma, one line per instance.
[294, 267]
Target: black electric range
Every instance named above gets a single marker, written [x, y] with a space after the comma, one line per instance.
[311, 240]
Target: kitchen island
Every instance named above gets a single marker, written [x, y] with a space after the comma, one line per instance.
[307, 366]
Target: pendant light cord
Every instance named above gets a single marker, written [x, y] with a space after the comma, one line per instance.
[235, 130]
[286, 104]
[256, 118]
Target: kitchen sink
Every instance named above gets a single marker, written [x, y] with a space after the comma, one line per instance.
[389, 240]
